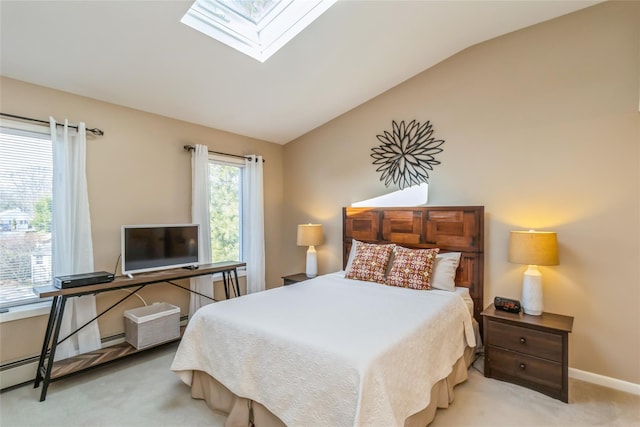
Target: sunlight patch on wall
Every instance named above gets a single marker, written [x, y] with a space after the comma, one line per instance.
[412, 196]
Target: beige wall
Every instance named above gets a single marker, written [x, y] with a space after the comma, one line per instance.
[542, 128]
[137, 172]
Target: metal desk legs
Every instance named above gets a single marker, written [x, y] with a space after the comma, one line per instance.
[53, 327]
[228, 280]
[52, 332]
[55, 320]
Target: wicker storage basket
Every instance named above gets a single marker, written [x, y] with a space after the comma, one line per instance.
[151, 325]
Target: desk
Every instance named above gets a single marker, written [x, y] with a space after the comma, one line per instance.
[52, 371]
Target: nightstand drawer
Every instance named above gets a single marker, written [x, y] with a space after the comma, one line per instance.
[536, 343]
[507, 365]
[531, 351]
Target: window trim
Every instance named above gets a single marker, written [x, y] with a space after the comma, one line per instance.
[28, 307]
[258, 38]
[27, 127]
[24, 311]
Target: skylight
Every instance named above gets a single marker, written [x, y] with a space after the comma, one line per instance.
[257, 28]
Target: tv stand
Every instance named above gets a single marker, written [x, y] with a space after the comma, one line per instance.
[49, 371]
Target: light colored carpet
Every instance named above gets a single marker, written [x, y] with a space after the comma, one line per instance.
[142, 391]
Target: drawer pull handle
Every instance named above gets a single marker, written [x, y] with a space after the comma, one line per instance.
[523, 366]
[523, 340]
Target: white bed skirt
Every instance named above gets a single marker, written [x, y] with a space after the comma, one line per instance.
[241, 411]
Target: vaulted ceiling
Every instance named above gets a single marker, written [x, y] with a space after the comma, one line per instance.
[138, 54]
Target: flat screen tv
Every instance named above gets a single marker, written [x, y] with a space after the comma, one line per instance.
[158, 247]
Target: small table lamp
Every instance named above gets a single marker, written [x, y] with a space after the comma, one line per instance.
[533, 248]
[310, 235]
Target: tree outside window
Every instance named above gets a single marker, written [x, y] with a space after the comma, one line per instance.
[225, 180]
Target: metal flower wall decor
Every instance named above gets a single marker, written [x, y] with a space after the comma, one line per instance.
[407, 154]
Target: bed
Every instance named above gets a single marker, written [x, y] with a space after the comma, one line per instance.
[340, 351]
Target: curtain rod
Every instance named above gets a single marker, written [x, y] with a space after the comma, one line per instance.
[94, 131]
[191, 148]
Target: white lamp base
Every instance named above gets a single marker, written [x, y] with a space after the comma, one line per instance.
[532, 291]
[312, 262]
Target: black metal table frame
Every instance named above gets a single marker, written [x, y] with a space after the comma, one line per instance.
[52, 333]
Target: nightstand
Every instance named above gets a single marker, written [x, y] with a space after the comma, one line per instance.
[294, 278]
[531, 351]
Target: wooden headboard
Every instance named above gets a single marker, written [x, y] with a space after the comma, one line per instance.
[450, 228]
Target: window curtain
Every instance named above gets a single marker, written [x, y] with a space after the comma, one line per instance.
[253, 224]
[200, 215]
[72, 246]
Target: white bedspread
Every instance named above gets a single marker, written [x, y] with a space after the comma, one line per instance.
[330, 351]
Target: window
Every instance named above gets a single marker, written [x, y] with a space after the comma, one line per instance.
[26, 173]
[256, 28]
[225, 181]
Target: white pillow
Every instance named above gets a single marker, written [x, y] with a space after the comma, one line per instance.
[352, 254]
[444, 271]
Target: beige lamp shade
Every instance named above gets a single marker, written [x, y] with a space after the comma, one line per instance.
[309, 234]
[533, 247]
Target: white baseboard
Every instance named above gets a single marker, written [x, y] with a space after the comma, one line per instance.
[18, 375]
[609, 382]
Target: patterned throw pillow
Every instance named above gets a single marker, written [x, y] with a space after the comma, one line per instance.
[370, 262]
[412, 268]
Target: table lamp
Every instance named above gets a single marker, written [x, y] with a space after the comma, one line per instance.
[533, 248]
[310, 235]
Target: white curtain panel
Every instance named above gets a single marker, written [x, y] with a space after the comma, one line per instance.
[200, 215]
[253, 224]
[72, 248]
